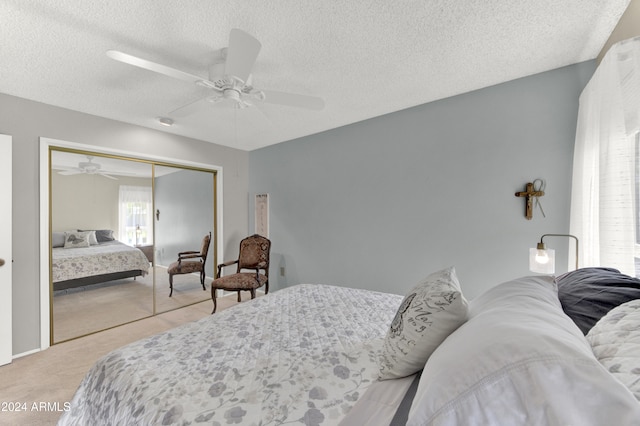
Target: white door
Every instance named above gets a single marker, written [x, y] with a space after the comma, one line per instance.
[5, 250]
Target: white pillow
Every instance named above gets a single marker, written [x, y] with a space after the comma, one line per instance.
[615, 340]
[92, 238]
[519, 360]
[76, 239]
[428, 314]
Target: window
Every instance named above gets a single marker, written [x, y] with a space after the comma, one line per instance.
[136, 215]
[606, 171]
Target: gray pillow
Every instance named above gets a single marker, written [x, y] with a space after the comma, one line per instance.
[102, 235]
[57, 239]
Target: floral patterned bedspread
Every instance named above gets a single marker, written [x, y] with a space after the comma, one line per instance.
[104, 258]
[302, 355]
[615, 340]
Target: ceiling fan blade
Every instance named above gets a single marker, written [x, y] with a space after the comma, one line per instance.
[241, 54]
[69, 172]
[292, 99]
[152, 66]
[108, 176]
[193, 107]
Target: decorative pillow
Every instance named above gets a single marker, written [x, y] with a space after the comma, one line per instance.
[519, 360]
[76, 239]
[587, 294]
[615, 341]
[101, 236]
[57, 239]
[92, 237]
[104, 235]
[428, 314]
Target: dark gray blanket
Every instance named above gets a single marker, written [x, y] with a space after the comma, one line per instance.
[587, 294]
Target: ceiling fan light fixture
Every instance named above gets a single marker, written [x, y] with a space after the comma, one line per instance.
[165, 121]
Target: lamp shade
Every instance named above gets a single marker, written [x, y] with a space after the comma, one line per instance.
[542, 261]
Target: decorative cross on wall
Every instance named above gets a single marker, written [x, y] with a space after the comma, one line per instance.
[529, 193]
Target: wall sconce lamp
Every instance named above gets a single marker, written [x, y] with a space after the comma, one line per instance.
[542, 260]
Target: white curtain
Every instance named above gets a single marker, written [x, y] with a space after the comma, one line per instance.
[135, 215]
[604, 193]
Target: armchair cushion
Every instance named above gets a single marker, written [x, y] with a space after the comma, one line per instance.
[241, 281]
[185, 267]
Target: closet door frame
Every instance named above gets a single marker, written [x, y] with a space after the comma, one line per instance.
[45, 220]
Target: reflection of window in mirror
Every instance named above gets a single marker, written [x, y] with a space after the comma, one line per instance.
[111, 280]
[136, 215]
[120, 196]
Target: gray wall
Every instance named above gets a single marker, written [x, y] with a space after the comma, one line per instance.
[185, 201]
[380, 204]
[27, 121]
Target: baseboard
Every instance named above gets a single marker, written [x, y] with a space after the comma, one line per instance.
[31, 352]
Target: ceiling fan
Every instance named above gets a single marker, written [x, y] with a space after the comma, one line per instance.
[87, 167]
[231, 86]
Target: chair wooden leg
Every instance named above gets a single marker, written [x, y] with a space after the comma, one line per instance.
[171, 285]
[266, 287]
[202, 280]
[215, 301]
[239, 298]
[253, 293]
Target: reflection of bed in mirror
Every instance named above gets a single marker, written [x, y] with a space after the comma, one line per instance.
[119, 195]
[95, 263]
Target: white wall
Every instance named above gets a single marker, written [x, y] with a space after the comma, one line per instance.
[27, 121]
[86, 201]
[382, 203]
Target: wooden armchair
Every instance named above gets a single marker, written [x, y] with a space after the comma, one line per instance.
[253, 256]
[183, 266]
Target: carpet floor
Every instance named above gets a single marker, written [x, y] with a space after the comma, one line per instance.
[35, 388]
[81, 311]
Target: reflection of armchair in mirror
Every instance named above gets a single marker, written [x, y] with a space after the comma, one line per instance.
[120, 199]
[185, 266]
[184, 213]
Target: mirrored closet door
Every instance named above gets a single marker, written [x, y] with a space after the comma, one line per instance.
[117, 225]
[184, 215]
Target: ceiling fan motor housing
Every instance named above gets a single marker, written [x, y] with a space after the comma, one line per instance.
[89, 167]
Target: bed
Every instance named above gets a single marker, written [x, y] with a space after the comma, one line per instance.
[81, 258]
[317, 354]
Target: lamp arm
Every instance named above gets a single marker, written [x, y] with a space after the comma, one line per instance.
[563, 235]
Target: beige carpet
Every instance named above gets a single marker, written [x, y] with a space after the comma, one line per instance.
[41, 384]
[85, 310]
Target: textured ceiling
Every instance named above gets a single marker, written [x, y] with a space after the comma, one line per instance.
[364, 58]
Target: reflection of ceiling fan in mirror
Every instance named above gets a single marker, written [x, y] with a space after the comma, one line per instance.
[231, 87]
[87, 167]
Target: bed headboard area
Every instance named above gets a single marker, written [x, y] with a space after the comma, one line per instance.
[58, 239]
